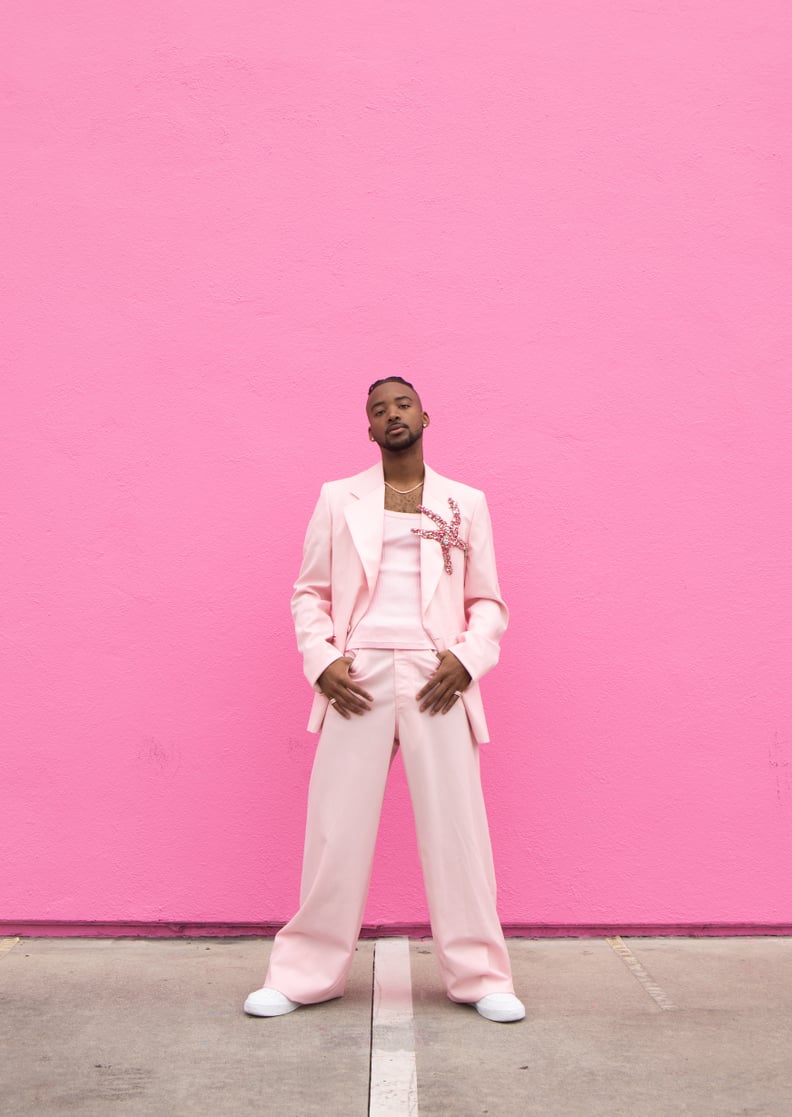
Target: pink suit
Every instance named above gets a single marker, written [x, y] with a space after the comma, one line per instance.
[462, 612]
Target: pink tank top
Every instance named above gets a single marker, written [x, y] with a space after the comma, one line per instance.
[393, 618]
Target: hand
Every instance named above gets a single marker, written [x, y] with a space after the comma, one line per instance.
[440, 692]
[344, 694]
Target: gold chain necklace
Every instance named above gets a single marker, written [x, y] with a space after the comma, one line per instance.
[404, 492]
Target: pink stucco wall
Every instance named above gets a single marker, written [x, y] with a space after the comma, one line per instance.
[569, 222]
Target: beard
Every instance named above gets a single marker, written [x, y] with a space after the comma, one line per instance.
[399, 444]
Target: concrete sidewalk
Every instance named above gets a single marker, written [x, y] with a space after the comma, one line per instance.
[618, 1028]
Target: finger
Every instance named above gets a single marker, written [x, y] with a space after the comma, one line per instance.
[353, 704]
[452, 701]
[339, 708]
[348, 695]
[445, 702]
[436, 700]
[430, 682]
[355, 696]
[347, 709]
[446, 707]
[429, 699]
[435, 679]
[355, 689]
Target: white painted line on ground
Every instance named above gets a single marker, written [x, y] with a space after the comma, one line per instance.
[658, 995]
[7, 944]
[393, 1086]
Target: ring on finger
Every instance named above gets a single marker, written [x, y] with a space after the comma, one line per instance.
[333, 701]
[458, 693]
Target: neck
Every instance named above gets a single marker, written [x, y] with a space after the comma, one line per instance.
[403, 470]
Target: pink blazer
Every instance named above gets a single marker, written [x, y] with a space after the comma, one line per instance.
[462, 611]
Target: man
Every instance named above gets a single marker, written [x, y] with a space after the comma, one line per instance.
[398, 614]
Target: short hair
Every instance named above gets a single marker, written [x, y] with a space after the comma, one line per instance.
[387, 380]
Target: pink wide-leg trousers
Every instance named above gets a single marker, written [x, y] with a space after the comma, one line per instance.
[311, 956]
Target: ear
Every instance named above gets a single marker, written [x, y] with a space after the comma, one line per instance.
[371, 436]
[426, 419]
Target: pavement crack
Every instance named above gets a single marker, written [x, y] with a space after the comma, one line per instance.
[641, 975]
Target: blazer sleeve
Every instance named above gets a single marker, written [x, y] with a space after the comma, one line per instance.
[478, 647]
[311, 602]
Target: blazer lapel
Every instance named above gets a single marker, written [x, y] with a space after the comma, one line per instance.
[431, 552]
[365, 521]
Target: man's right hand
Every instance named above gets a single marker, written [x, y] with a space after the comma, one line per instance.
[344, 694]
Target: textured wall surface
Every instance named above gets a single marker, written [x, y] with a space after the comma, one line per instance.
[569, 222]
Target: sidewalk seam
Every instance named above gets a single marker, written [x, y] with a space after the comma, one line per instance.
[7, 945]
[393, 1087]
[641, 975]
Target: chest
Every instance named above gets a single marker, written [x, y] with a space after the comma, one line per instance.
[402, 502]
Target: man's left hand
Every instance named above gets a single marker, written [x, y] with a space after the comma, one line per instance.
[440, 692]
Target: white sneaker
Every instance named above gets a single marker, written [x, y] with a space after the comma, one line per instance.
[503, 1008]
[269, 1002]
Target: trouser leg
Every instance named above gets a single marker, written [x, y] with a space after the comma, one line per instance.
[311, 956]
[441, 762]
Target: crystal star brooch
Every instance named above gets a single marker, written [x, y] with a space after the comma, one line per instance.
[447, 535]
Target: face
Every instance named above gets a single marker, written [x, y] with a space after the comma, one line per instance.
[396, 420]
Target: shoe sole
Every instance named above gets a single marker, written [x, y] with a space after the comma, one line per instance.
[251, 1010]
[500, 1018]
